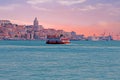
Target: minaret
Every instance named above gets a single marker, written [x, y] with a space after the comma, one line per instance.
[36, 24]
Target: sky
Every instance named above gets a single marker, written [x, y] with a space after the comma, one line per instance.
[82, 16]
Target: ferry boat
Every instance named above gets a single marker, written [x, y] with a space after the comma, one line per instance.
[54, 39]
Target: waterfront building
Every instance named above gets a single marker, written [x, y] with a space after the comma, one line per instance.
[32, 35]
[80, 37]
[106, 38]
[4, 22]
[93, 38]
[73, 35]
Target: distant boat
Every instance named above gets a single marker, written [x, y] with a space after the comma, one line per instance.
[54, 39]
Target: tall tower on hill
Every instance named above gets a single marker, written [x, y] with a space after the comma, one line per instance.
[36, 24]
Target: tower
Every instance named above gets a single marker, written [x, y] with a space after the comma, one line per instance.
[36, 24]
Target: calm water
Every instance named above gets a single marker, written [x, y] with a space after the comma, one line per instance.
[80, 60]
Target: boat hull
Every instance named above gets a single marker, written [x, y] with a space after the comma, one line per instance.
[56, 42]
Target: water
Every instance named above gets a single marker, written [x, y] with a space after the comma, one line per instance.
[80, 60]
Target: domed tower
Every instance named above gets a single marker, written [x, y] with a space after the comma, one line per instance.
[36, 24]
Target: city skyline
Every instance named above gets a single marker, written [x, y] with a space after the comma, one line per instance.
[82, 16]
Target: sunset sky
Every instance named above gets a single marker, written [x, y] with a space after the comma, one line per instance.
[83, 16]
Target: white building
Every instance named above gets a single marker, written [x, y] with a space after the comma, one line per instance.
[4, 22]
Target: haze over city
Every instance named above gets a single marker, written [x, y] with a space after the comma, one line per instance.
[83, 16]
